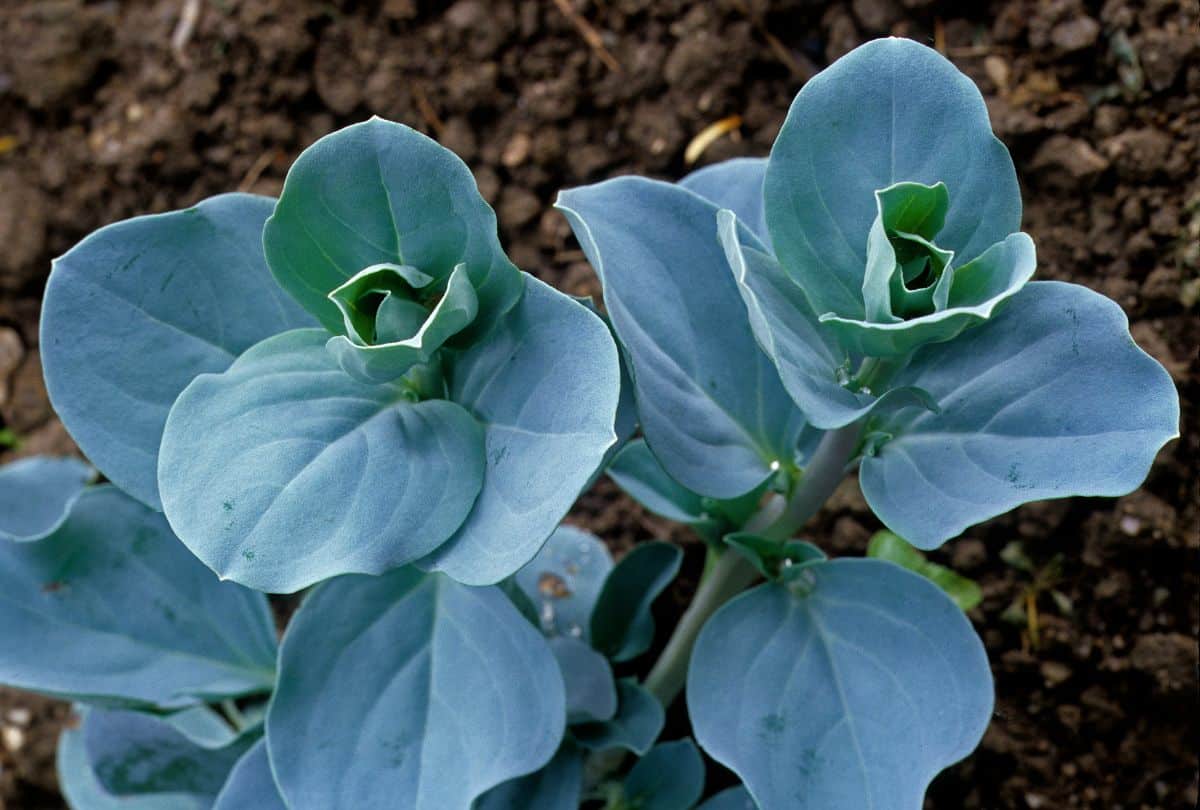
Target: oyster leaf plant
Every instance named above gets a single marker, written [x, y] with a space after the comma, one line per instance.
[351, 393]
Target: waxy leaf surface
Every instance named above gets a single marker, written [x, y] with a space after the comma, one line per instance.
[813, 366]
[622, 624]
[588, 677]
[284, 471]
[1049, 399]
[555, 787]
[736, 184]
[250, 785]
[82, 789]
[545, 385]
[638, 472]
[113, 607]
[737, 798]
[636, 726]
[892, 110]
[36, 494]
[669, 777]
[711, 405]
[410, 690]
[381, 193]
[136, 310]
[133, 754]
[851, 693]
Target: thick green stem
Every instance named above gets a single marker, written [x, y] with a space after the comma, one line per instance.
[732, 573]
[824, 471]
[727, 578]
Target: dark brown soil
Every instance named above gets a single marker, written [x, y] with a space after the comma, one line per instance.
[101, 119]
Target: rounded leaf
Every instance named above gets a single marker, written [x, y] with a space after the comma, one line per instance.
[113, 607]
[676, 309]
[136, 310]
[736, 184]
[852, 687]
[1049, 399]
[891, 110]
[251, 786]
[544, 385]
[284, 470]
[36, 494]
[564, 580]
[381, 193]
[83, 791]
[410, 690]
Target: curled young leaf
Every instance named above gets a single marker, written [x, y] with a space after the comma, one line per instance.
[851, 688]
[381, 193]
[388, 329]
[812, 363]
[139, 308]
[890, 111]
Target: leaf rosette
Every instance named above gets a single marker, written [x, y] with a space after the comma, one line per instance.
[348, 380]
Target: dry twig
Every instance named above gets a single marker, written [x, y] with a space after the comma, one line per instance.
[590, 35]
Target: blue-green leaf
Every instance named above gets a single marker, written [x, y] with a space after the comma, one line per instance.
[637, 724]
[852, 688]
[737, 798]
[978, 289]
[381, 193]
[622, 624]
[548, 415]
[133, 754]
[403, 333]
[410, 690]
[136, 310]
[889, 111]
[678, 315]
[736, 184]
[113, 607]
[250, 785]
[591, 690]
[813, 365]
[1049, 399]
[83, 791]
[564, 580]
[555, 787]
[637, 471]
[37, 493]
[284, 471]
[669, 777]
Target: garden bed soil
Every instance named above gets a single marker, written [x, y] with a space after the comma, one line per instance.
[102, 118]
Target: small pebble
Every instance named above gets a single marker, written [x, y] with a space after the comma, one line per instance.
[1131, 525]
[13, 738]
[20, 716]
